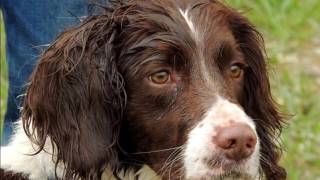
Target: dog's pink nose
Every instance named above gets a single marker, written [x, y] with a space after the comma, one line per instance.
[236, 141]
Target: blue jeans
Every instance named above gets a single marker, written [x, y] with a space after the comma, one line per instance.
[30, 26]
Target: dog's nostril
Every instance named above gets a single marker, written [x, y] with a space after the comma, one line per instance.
[236, 141]
[233, 143]
[251, 142]
[226, 143]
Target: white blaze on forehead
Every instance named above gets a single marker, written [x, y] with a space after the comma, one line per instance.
[198, 37]
[185, 15]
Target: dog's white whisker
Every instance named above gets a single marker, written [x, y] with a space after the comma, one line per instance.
[160, 150]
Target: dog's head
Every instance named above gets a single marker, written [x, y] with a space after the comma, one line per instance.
[180, 86]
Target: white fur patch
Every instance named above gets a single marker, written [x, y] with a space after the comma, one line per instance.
[188, 19]
[17, 157]
[200, 145]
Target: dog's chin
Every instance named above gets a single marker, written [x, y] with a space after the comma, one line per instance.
[224, 175]
[227, 175]
[229, 170]
[230, 176]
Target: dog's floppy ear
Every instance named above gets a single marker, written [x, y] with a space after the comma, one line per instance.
[76, 97]
[258, 102]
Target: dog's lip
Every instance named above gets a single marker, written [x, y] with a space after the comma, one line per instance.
[228, 169]
[231, 174]
[223, 163]
[226, 175]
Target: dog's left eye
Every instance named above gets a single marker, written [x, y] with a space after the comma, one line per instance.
[160, 77]
[236, 71]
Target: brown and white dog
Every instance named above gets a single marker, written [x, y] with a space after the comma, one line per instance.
[180, 86]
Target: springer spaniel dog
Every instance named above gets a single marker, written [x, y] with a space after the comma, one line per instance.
[179, 86]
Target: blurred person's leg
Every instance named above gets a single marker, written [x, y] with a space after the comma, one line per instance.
[30, 26]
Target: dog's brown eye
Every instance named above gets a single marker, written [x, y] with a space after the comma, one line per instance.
[160, 77]
[236, 71]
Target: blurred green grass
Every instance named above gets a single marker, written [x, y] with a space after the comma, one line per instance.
[292, 32]
[288, 22]
[3, 74]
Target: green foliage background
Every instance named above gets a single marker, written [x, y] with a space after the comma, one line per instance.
[292, 32]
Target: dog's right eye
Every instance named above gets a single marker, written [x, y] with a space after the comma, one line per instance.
[160, 77]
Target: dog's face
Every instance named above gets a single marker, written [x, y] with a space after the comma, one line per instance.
[185, 76]
[180, 86]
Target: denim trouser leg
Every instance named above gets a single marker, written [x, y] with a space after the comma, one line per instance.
[30, 26]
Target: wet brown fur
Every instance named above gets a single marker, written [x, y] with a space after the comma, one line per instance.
[87, 92]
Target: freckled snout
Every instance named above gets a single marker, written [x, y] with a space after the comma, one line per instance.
[236, 141]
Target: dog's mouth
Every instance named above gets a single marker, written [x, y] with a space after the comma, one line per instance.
[229, 176]
[223, 175]
[224, 164]
[220, 168]
[233, 173]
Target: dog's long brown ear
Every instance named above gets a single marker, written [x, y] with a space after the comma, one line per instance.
[76, 98]
[258, 101]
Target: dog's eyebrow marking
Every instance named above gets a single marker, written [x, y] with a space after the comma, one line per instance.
[185, 15]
